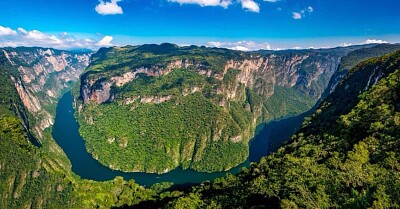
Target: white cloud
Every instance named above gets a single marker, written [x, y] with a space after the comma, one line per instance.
[11, 44]
[297, 15]
[22, 31]
[250, 5]
[5, 31]
[215, 44]
[240, 45]
[240, 48]
[302, 13]
[109, 8]
[204, 3]
[374, 41]
[23, 37]
[272, 1]
[106, 41]
[37, 35]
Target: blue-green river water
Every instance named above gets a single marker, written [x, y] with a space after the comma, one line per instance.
[269, 137]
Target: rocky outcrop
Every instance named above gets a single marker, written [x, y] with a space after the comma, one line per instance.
[29, 101]
[100, 94]
[307, 72]
[155, 99]
[43, 75]
[99, 90]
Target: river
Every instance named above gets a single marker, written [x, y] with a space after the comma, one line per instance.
[269, 137]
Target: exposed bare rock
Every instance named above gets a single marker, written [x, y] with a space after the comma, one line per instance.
[99, 90]
[155, 99]
[43, 74]
[8, 57]
[130, 100]
[236, 139]
[182, 63]
[30, 102]
[302, 71]
[103, 94]
[126, 78]
[295, 71]
[191, 90]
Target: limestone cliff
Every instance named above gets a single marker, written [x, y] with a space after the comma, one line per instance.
[43, 74]
[308, 72]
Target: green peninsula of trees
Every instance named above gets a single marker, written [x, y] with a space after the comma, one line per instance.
[153, 108]
[189, 130]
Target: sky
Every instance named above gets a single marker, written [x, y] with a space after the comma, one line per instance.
[236, 24]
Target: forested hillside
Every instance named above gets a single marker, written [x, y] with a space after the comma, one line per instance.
[354, 57]
[41, 76]
[346, 155]
[153, 108]
[41, 177]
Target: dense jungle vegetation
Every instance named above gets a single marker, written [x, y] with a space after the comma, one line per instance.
[196, 133]
[346, 155]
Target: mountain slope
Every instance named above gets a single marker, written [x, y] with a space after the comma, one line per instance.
[345, 156]
[24, 181]
[43, 75]
[351, 161]
[354, 57]
[40, 176]
[155, 107]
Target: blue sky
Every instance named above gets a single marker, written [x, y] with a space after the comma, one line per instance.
[238, 24]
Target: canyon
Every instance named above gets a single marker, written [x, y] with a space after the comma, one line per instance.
[43, 76]
[243, 89]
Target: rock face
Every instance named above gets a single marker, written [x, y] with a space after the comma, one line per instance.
[308, 72]
[42, 76]
[99, 90]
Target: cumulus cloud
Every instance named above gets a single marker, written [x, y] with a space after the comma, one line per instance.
[374, 41]
[302, 13]
[106, 41]
[22, 31]
[250, 5]
[5, 31]
[23, 37]
[297, 15]
[240, 45]
[272, 1]
[109, 8]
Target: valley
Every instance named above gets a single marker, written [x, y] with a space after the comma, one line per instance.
[154, 108]
[153, 101]
[199, 104]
